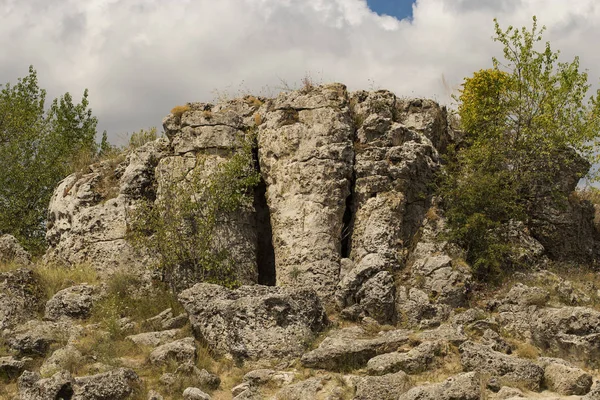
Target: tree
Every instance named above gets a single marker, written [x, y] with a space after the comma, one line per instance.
[38, 147]
[525, 120]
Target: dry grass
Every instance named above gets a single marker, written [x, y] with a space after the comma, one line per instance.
[178, 111]
[9, 266]
[54, 278]
[257, 119]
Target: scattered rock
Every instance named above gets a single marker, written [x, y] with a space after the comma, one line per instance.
[20, 297]
[59, 386]
[511, 369]
[11, 251]
[153, 395]
[415, 309]
[261, 377]
[35, 337]
[61, 359]
[193, 393]
[11, 367]
[466, 386]
[203, 378]
[304, 390]
[182, 350]
[414, 361]
[254, 322]
[154, 339]
[385, 387]
[72, 302]
[349, 348]
[115, 385]
[564, 379]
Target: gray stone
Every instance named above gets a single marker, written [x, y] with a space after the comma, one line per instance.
[254, 322]
[415, 309]
[480, 358]
[35, 337]
[11, 367]
[20, 297]
[386, 387]
[414, 361]
[60, 359]
[351, 348]
[59, 386]
[566, 380]
[304, 390]
[153, 395]
[466, 386]
[182, 350]
[154, 339]
[11, 251]
[72, 302]
[114, 385]
[202, 377]
[193, 393]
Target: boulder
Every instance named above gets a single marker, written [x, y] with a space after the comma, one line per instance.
[11, 251]
[254, 322]
[510, 369]
[193, 393]
[416, 309]
[416, 360]
[115, 385]
[72, 302]
[154, 339]
[351, 348]
[21, 297]
[261, 377]
[11, 367]
[565, 379]
[35, 337]
[58, 386]
[202, 377]
[385, 387]
[181, 351]
[466, 386]
[308, 389]
[61, 359]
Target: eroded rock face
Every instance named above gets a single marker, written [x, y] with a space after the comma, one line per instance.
[11, 251]
[88, 212]
[20, 297]
[465, 386]
[254, 322]
[72, 302]
[306, 155]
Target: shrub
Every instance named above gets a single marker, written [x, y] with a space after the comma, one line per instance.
[143, 136]
[54, 278]
[178, 111]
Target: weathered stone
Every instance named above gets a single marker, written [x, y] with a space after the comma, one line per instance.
[349, 348]
[306, 155]
[60, 359]
[166, 321]
[153, 395]
[304, 390]
[11, 367]
[115, 385]
[11, 251]
[414, 361]
[386, 387]
[154, 339]
[88, 213]
[466, 386]
[182, 350]
[59, 386]
[564, 379]
[35, 337]
[415, 309]
[193, 393]
[261, 377]
[72, 302]
[202, 377]
[509, 368]
[254, 322]
[445, 333]
[20, 297]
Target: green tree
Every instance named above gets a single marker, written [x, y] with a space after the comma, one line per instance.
[525, 120]
[38, 147]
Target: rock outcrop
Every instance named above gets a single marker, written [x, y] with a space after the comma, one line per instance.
[11, 251]
[254, 322]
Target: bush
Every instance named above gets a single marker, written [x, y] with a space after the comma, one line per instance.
[180, 225]
[525, 121]
[138, 139]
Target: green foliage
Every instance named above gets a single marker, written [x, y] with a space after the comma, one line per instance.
[37, 149]
[138, 139]
[524, 121]
[181, 224]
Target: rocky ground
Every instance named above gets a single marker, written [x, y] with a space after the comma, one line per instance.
[359, 296]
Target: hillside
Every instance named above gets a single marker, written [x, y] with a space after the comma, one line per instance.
[294, 248]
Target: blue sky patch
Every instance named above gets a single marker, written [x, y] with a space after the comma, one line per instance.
[397, 8]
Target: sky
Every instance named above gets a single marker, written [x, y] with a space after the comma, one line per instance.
[140, 58]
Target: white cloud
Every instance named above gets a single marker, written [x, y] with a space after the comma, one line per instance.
[139, 58]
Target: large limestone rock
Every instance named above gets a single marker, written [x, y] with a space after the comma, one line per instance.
[72, 302]
[88, 212]
[115, 385]
[11, 251]
[305, 152]
[465, 386]
[20, 297]
[254, 322]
